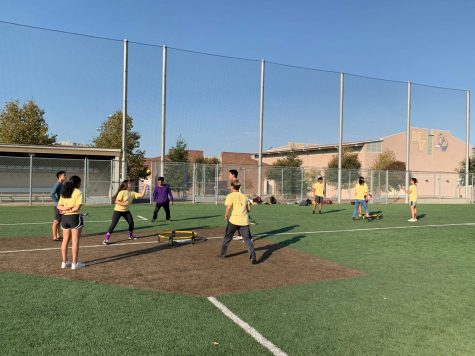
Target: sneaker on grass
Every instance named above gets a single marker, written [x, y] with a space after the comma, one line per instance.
[66, 264]
[78, 265]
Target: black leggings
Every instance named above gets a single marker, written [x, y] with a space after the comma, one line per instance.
[115, 219]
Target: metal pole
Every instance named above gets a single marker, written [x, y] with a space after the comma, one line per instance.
[301, 182]
[340, 134]
[194, 183]
[261, 129]
[282, 183]
[387, 185]
[408, 136]
[30, 196]
[124, 110]
[164, 107]
[216, 178]
[467, 145]
[85, 180]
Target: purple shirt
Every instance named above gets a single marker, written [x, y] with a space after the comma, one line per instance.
[162, 194]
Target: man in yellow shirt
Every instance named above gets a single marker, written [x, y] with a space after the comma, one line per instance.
[318, 190]
[237, 216]
[361, 193]
[413, 199]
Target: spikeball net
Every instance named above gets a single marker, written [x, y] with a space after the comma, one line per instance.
[179, 236]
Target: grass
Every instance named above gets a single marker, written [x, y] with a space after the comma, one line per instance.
[416, 296]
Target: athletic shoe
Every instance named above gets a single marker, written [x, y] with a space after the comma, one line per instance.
[78, 265]
[168, 221]
[106, 242]
[132, 238]
[320, 212]
[415, 220]
[153, 220]
[65, 265]
[313, 212]
[235, 238]
[354, 219]
[412, 220]
[254, 261]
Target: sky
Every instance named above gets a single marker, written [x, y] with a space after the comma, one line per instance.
[213, 102]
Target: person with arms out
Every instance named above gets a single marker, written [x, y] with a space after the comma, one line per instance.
[361, 194]
[162, 196]
[72, 222]
[318, 190]
[412, 191]
[123, 199]
[55, 196]
[237, 217]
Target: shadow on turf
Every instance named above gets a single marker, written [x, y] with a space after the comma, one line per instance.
[421, 216]
[270, 249]
[197, 217]
[332, 211]
[275, 232]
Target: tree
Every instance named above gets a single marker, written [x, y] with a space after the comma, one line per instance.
[110, 136]
[24, 125]
[287, 174]
[461, 170]
[177, 169]
[396, 175]
[384, 160]
[349, 162]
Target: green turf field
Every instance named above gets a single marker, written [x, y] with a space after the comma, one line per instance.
[416, 297]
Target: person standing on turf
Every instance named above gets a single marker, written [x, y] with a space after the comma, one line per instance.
[162, 196]
[237, 217]
[361, 193]
[123, 199]
[72, 222]
[318, 190]
[55, 195]
[413, 199]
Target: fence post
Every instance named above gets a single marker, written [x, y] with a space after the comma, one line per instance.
[387, 185]
[164, 106]
[261, 128]
[301, 182]
[85, 180]
[282, 183]
[216, 181]
[340, 135]
[467, 145]
[194, 184]
[30, 195]
[408, 137]
[124, 110]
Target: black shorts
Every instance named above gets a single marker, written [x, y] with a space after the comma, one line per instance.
[318, 199]
[75, 221]
[413, 203]
[57, 215]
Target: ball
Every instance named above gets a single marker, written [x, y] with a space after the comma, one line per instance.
[148, 171]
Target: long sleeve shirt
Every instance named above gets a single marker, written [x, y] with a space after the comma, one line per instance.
[162, 194]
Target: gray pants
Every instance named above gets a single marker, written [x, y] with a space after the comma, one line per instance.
[246, 236]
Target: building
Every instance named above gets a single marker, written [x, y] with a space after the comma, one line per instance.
[27, 172]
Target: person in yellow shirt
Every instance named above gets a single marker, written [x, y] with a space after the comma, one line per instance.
[318, 190]
[69, 204]
[237, 216]
[123, 199]
[412, 191]
[361, 194]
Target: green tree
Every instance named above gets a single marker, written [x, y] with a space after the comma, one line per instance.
[461, 170]
[349, 162]
[396, 175]
[384, 160]
[110, 136]
[287, 175]
[177, 170]
[24, 124]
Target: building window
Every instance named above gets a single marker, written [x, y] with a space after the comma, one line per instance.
[429, 144]
[374, 147]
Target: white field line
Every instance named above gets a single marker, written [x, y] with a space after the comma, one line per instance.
[247, 328]
[50, 222]
[263, 235]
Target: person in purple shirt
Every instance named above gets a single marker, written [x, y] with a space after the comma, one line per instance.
[162, 196]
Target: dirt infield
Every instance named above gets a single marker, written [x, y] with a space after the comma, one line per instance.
[183, 269]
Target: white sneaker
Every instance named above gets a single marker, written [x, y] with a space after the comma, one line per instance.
[65, 265]
[410, 220]
[78, 265]
[236, 238]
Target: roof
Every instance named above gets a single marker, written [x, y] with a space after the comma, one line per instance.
[58, 150]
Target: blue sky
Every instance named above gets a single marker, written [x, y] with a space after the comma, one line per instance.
[214, 102]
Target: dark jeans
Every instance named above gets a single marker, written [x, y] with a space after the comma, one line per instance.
[115, 219]
[166, 206]
[246, 236]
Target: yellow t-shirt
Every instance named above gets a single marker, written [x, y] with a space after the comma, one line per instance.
[318, 188]
[239, 215]
[361, 191]
[412, 192]
[76, 199]
[125, 196]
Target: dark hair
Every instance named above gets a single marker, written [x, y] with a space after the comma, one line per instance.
[161, 179]
[124, 185]
[361, 180]
[414, 179]
[236, 184]
[320, 178]
[60, 173]
[234, 172]
[73, 183]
